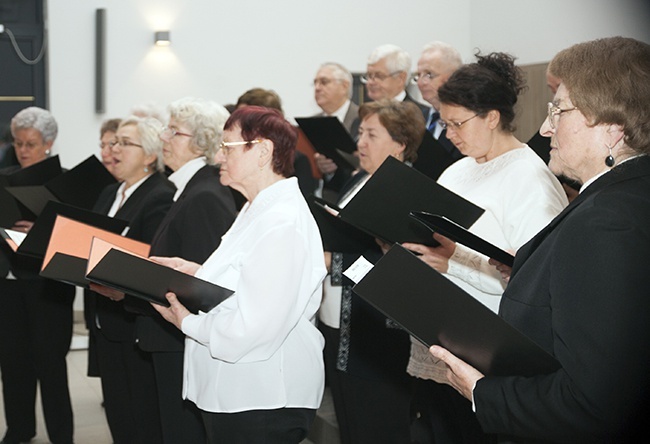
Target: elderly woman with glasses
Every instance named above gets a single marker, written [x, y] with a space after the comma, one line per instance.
[142, 197]
[579, 289]
[35, 313]
[500, 174]
[253, 364]
[202, 211]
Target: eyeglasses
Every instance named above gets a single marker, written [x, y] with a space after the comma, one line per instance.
[107, 145]
[554, 112]
[323, 81]
[425, 76]
[122, 143]
[227, 147]
[378, 76]
[455, 125]
[168, 133]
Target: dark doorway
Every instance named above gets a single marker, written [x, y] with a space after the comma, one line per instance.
[21, 84]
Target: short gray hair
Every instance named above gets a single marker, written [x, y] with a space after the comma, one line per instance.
[204, 119]
[340, 73]
[397, 60]
[37, 118]
[450, 55]
[149, 129]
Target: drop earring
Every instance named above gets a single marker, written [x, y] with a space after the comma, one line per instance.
[47, 152]
[609, 160]
[146, 169]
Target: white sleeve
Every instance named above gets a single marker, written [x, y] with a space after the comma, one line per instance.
[267, 304]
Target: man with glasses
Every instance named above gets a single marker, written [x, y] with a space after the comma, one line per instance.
[387, 75]
[332, 91]
[437, 63]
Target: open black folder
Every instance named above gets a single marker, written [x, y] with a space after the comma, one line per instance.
[436, 311]
[80, 187]
[382, 207]
[144, 279]
[455, 232]
[330, 138]
[36, 242]
[34, 175]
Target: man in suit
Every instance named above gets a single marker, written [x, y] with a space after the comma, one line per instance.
[387, 75]
[437, 63]
[332, 91]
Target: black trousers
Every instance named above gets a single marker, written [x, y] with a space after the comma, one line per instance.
[35, 336]
[279, 426]
[367, 410]
[181, 419]
[129, 390]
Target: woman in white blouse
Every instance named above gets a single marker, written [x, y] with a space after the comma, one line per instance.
[500, 174]
[253, 364]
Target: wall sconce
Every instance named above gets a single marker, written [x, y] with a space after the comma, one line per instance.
[161, 38]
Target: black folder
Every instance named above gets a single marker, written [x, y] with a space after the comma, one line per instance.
[436, 311]
[382, 207]
[34, 175]
[38, 237]
[79, 187]
[455, 232]
[150, 281]
[336, 234]
[330, 138]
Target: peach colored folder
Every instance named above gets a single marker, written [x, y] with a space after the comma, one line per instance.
[70, 245]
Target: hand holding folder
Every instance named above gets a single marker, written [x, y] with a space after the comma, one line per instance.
[330, 138]
[437, 312]
[453, 231]
[142, 278]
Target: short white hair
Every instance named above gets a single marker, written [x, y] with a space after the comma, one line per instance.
[450, 55]
[36, 118]
[149, 129]
[397, 60]
[340, 73]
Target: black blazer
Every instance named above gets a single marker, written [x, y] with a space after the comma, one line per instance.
[144, 210]
[192, 230]
[580, 289]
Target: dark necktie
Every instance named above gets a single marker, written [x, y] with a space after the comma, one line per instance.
[433, 119]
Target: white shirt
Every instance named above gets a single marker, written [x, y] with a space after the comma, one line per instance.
[330, 309]
[122, 195]
[520, 196]
[342, 111]
[182, 176]
[260, 349]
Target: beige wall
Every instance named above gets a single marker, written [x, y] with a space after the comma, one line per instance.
[531, 105]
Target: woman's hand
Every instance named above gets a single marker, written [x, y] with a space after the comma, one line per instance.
[23, 226]
[460, 375]
[110, 293]
[177, 263]
[505, 270]
[176, 311]
[436, 257]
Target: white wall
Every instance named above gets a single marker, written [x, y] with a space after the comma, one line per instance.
[222, 48]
